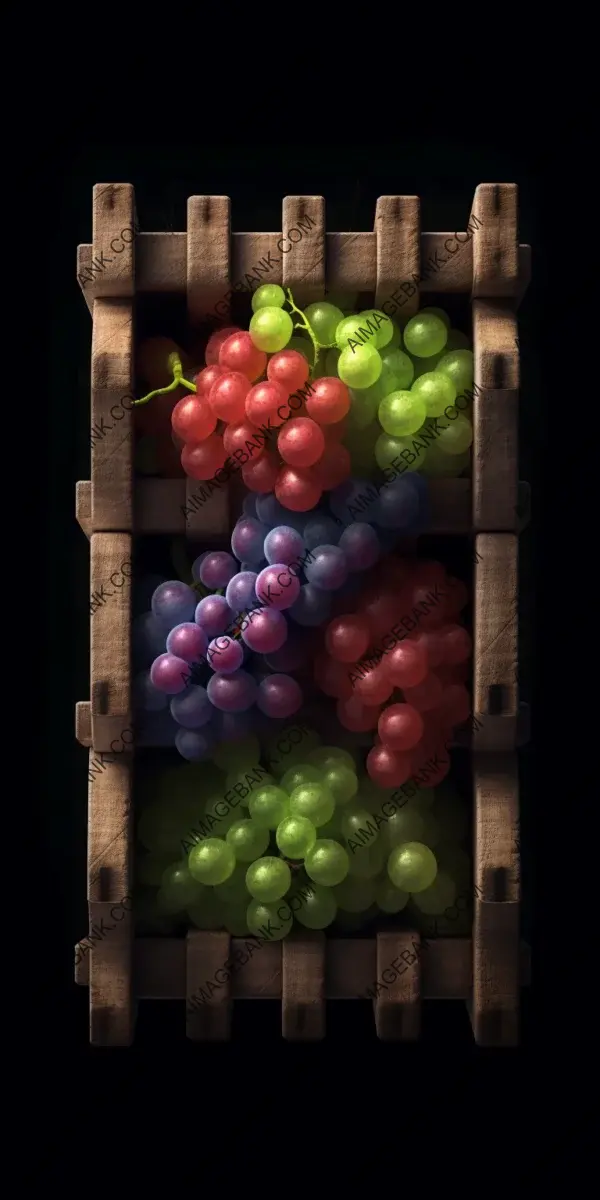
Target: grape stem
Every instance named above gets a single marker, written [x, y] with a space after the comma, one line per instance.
[305, 324]
[174, 363]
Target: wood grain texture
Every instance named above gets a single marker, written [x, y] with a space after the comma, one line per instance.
[302, 248]
[208, 253]
[110, 635]
[495, 243]
[206, 956]
[111, 416]
[495, 417]
[398, 242]
[398, 1007]
[113, 240]
[303, 987]
[496, 957]
[495, 641]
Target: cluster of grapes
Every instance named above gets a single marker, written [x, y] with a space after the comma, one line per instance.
[397, 664]
[294, 852]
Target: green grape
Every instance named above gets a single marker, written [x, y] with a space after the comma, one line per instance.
[269, 806]
[412, 867]
[251, 777]
[436, 390]
[379, 328]
[325, 757]
[234, 890]
[331, 362]
[295, 836]
[233, 756]
[314, 801]
[389, 898]
[401, 413]
[218, 810]
[425, 335]
[207, 913]
[247, 840]
[363, 452]
[423, 366]
[371, 797]
[269, 921]
[150, 868]
[435, 899]
[355, 895]
[346, 331]
[423, 799]
[292, 745]
[368, 861]
[303, 347]
[342, 783]
[362, 411]
[235, 918]
[333, 828]
[327, 862]
[397, 372]
[438, 312]
[360, 366]
[298, 774]
[319, 909]
[432, 833]
[324, 319]
[388, 448]
[459, 366]
[396, 339]
[457, 438]
[268, 879]
[211, 861]
[405, 825]
[268, 295]
[456, 341]
[356, 823]
[271, 329]
[437, 465]
[177, 890]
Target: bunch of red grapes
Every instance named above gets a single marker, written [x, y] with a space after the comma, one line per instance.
[398, 665]
[241, 411]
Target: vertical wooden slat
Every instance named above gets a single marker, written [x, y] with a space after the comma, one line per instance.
[302, 248]
[208, 986]
[496, 953]
[398, 233]
[398, 1007]
[208, 254]
[303, 988]
[495, 417]
[114, 232]
[495, 242]
[110, 626]
[495, 654]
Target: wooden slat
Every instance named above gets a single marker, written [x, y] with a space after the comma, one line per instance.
[302, 248]
[398, 234]
[496, 967]
[495, 245]
[303, 987]
[112, 436]
[495, 657]
[109, 963]
[398, 1007]
[495, 417]
[208, 253]
[83, 506]
[113, 237]
[206, 956]
[110, 626]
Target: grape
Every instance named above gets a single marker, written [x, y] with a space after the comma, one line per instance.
[425, 335]
[249, 506]
[242, 436]
[193, 419]
[436, 390]
[268, 806]
[333, 468]
[458, 365]
[173, 603]
[195, 744]
[318, 910]
[202, 460]
[148, 639]
[363, 407]
[225, 655]
[355, 821]
[178, 889]
[412, 867]
[359, 367]
[235, 918]
[192, 709]
[342, 782]
[356, 716]
[328, 568]
[247, 840]
[325, 757]
[379, 328]
[241, 593]
[329, 401]
[279, 696]
[272, 921]
[402, 413]
[295, 836]
[271, 329]
[437, 898]
[232, 693]
[268, 295]
[227, 397]
[215, 341]
[303, 347]
[361, 546]
[213, 614]
[354, 498]
[397, 372]
[355, 895]
[404, 825]
[265, 631]
[389, 898]
[238, 353]
[320, 531]
[261, 476]
[367, 861]
[170, 674]
[301, 443]
[283, 545]
[292, 655]
[206, 913]
[289, 368]
[327, 862]
[437, 465]
[348, 638]
[247, 540]
[456, 341]
[400, 727]
[389, 453]
[150, 868]
[312, 607]
[313, 801]
[188, 641]
[324, 319]
[211, 861]
[299, 774]
[268, 879]
[298, 488]
[278, 586]
[233, 891]
[457, 438]
[407, 664]
[146, 696]
[204, 379]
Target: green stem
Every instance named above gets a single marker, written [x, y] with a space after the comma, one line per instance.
[317, 345]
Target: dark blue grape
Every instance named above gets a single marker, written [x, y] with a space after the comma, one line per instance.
[312, 607]
[328, 568]
[361, 546]
[321, 530]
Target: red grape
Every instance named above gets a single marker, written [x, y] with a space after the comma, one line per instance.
[380, 608]
[243, 437]
[333, 677]
[387, 768]
[425, 695]
[373, 687]
[456, 645]
[202, 461]
[288, 368]
[227, 396]
[193, 419]
[267, 404]
[329, 401]
[301, 442]
[238, 353]
[347, 638]
[356, 716]
[406, 664]
[429, 640]
[455, 706]
[297, 489]
[423, 603]
[279, 696]
[333, 467]
[206, 378]
[400, 727]
[261, 476]
[215, 341]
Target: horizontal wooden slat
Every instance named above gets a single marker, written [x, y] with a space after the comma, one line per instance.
[350, 969]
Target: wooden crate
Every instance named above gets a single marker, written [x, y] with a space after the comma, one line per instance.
[395, 263]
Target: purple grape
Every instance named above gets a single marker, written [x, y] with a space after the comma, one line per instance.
[293, 653]
[248, 538]
[214, 615]
[188, 641]
[241, 592]
[232, 727]
[173, 603]
[148, 639]
[360, 544]
[321, 531]
[147, 697]
[312, 607]
[195, 744]
[192, 708]
[283, 545]
[217, 569]
[278, 586]
[354, 500]
[170, 674]
[197, 563]
[270, 511]
[225, 655]
[143, 590]
[232, 693]
[156, 729]
[265, 630]
[279, 696]
[398, 506]
[328, 568]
